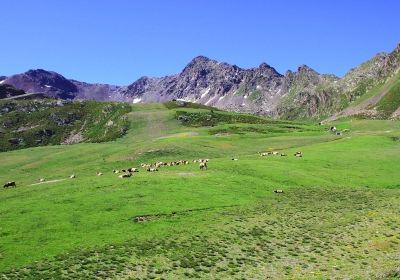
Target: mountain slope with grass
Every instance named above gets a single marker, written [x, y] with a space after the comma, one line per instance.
[39, 122]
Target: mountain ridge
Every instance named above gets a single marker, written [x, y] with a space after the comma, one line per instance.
[303, 93]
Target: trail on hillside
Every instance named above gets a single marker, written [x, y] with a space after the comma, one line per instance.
[153, 123]
[21, 96]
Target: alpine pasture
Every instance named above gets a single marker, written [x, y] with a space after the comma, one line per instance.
[338, 215]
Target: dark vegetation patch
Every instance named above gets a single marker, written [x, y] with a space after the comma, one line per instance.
[263, 129]
[39, 122]
[212, 118]
[175, 214]
[176, 104]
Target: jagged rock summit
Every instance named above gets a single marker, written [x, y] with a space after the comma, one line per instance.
[303, 93]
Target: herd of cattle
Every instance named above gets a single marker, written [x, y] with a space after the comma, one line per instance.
[153, 167]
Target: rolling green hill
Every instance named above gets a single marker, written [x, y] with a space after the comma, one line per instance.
[337, 218]
[39, 122]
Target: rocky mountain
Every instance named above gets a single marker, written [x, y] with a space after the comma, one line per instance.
[55, 85]
[303, 93]
[300, 94]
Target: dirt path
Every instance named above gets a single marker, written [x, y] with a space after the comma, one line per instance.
[45, 182]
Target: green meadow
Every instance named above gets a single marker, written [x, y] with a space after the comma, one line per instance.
[338, 217]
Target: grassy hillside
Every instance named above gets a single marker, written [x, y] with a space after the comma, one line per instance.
[337, 218]
[39, 122]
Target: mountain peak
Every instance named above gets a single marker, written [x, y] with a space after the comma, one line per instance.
[201, 58]
[305, 68]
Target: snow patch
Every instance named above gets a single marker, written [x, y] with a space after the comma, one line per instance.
[2, 82]
[245, 97]
[222, 97]
[136, 100]
[205, 93]
[48, 86]
[211, 99]
[258, 87]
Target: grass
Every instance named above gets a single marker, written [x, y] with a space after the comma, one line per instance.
[391, 101]
[338, 216]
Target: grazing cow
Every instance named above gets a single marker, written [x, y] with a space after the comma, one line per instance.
[151, 169]
[126, 175]
[298, 154]
[41, 180]
[275, 153]
[72, 176]
[265, 154]
[203, 165]
[278, 191]
[133, 169]
[283, 155]
[10, 184]
[99, 173]
[333, 128]
[235, 159]
[140, 219]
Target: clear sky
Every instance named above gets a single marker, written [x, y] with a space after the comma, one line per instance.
[117, 41]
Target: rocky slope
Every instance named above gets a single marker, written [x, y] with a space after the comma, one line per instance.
[262, 90]
[55, 85]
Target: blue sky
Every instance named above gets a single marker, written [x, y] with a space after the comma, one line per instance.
[118, 41]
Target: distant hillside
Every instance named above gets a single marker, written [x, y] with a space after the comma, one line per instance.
[7, 91]
[302, 94]
[37, 122]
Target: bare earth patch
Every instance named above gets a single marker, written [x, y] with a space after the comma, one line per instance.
[186, 174]
[45, 182]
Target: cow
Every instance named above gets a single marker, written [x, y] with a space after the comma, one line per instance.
[72, 176]
[283, 155]
[235, 159]
[145, 165]
[140, 219]
[99, 173]
[10, 184]
[298, 154]
[150, 169]
[333, 128]
[41, 180]
[278, 191]
[133, 169]
[203, 165]
[126, 175]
